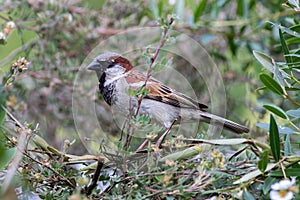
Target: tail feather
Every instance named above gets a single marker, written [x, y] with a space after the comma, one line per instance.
[230, 125]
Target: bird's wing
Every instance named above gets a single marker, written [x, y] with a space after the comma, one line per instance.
[162, 93]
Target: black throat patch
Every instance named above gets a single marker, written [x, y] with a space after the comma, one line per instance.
[108, 90]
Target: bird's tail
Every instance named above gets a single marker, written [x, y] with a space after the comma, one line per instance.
[230, 125]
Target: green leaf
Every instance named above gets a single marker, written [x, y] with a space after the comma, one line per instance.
[132, 92]
[261, 88]
[288, 172]
[95, 5]
[2, 115]
[143, 91]
[296, 27]
[264, 160]
[240, 7]
[186, 153]
[274, 139]
[294, 113]
[290, 41]
[285, 48]
[279, 76]
[264, 60]
[267, 184]
[232, 141]
[287, 146]
[276, 110]
[294, 3]
[2, 102]
[293, 159]
[251, 175]
[281, 129]
[6, 155]
[271, 84]
[154, 8]
[247, 195]
[295, 54]
[180, 9]
[160, 6]
[199, 10]
[286, 30]
[231, 41]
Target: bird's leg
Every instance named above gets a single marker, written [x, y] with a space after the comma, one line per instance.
[162, 138]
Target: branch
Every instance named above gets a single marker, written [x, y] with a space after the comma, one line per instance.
[153, 58]
[149, 71]
[88, 190]
[292, 100]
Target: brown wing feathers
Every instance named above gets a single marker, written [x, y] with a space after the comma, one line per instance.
[163, 93]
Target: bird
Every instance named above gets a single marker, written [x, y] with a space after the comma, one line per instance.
[164, 105]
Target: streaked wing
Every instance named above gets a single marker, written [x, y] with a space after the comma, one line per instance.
[163, 93]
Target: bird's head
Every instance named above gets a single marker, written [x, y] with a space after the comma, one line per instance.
[109, 60]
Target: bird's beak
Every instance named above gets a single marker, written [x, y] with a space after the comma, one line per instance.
[94, 65]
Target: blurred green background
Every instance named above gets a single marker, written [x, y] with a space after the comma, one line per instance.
[254, 44]
[56, 36]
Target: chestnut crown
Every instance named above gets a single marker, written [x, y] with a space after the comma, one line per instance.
[106, 60]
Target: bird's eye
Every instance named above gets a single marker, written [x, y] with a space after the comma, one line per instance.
[111, 65]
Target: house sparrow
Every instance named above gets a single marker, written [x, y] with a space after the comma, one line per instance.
[163, 104]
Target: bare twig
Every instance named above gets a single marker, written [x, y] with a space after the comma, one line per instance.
[153, 58]
[162, 138]
[282, 168]
[292, 100]
[149, 71]
[13, 118]
[4, 18]
[88, 190]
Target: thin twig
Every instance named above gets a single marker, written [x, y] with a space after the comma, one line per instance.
[292, 100]
[149, 71]
[88, 190]
[70, 183]
[4, 18]
[282, 168]
[153, 58]
[13, 118]
[162, 138]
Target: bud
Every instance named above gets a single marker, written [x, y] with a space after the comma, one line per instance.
[46, 162]
[170, 163]
[151, 136]
[68, 18]
[12, 101]
[166, 179]
[9, 26]
[21, 64]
